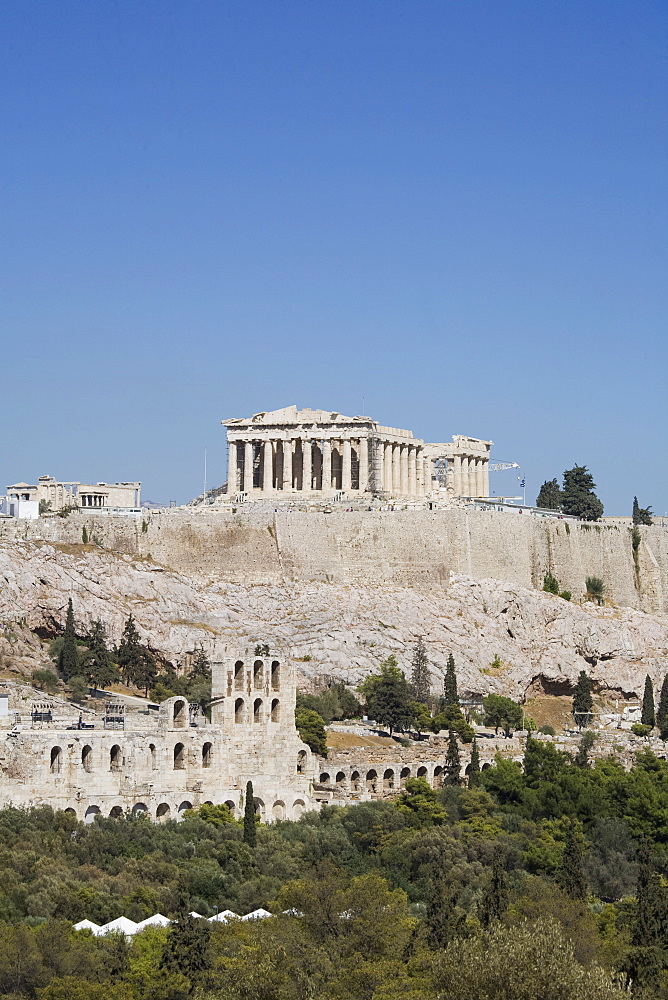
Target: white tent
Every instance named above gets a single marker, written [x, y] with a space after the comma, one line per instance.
[87, 925]
[257, 914]
[157, 920]
[224, 917]
[121, 925]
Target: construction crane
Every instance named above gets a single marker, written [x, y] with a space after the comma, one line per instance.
[500, 466]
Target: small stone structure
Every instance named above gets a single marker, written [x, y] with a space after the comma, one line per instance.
[74, 494]
[319, 453]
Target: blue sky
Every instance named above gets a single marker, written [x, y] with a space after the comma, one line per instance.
[450, 213]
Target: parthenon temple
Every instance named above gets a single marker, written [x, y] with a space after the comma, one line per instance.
[316, 453]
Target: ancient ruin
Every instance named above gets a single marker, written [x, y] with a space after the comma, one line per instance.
[316, 453]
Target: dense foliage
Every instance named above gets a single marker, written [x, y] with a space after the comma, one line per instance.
[543, 880]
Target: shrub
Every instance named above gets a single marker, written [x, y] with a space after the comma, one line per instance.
[550, 584]
[547, 730]
[595, 589]
[45, 679]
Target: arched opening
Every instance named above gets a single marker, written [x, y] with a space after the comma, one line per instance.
[422, 772]
[91, 813]
[139, 809]
[153, 756]
[355, 781]
[179, 757]
[467, 769]
[371, 780]
[275, 675]
[116, 812]
[275, 710]
[259, 808]
[56, 760]
[404, 776]
[207, 754]
[388, 780]
[301, 761]
[162, 812]
[239, 710]
[184, 805]
[485, 766]
[257, 710]
[298, 808]
[278, 810]
[70, 811]
[238, 676]
[340, 779]
[438, 776]
[115, 758]
[324, 778]
[87, 758]
[258, 674]
[180, 715]
[231, 806]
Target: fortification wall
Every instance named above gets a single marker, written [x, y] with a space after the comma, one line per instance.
[405, 548]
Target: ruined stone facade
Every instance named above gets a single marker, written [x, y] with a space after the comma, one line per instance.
[74, 494]
[316, 453]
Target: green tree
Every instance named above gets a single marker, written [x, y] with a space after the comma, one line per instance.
[647, 956]
[571, 876]
[77, 687]
[494, 902]
[387, 696]
[474, 766]
[420, 717]
[45, 679]
[501, 712]
[662, 711]
[250, 828]
[550, 584]
[587, 741]
[421, 804]
[68, 658]
[583, 702]
[201, 665]
[100, 669]
[130, 653]
[549, 496]
[186, 949]
[595, 589]
[420, 673]
[647, 717]
[578, 497]
[450, 693]
[311, 729]
[453, 764]
[641, 515]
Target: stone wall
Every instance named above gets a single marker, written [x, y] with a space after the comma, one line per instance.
[415, 548]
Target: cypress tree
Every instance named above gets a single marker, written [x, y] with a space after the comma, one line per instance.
[582, 700]
[581, 758]
[130, 653]
[494, 902]
[100, 669]
[647, 717]
[641, 515]
[250, 829]
[420, 673]
[68, 659]
[474, 766]
[186, 950]
[648, 956]
[450, 695]
[549, 495]
[570, 875]
[453, 764]
[578, 497]
[662, 712]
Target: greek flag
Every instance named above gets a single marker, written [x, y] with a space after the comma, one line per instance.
[522, 483]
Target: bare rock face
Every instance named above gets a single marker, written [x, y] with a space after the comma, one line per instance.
[342, 630]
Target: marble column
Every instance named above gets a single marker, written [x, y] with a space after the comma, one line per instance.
[412, 480]
[326, 465]
[426, 474]
[307, 465]
[267, 468]
[473, 478]
[457, 475]
[387, 462]
[485, 477]
[346, 465]
[231, 467]
[363, 456]
[248, 466]
[479, 478]
[287, 465]
[403, 467]
[396, 473]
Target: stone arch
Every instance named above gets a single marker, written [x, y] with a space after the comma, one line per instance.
[372, 780]
[239, 710]
[56, 760]
[257, 710]
[340, 779]
[275, 675]
[485, 766]
[324, 778]
[180, 717]
[422, 772]
[298, 808]
[258, 674]
[162, 812]
[275, 710]
[355, 781]
[207, 803]
[404, 776]
[259, 807]
[140, 809]
[278, 810]
[153, 756]
[116, 812]
[70, 811]
[467, 769]
[179, 757]
[438, 777]
[87, 758]
[207, 754]
[301, 761]
[388, 780]
[239, 675]
[115, 758]
[184, 805]
[91, 813]
[231, 806]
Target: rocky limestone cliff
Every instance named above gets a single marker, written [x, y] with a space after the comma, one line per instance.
[339, 629]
